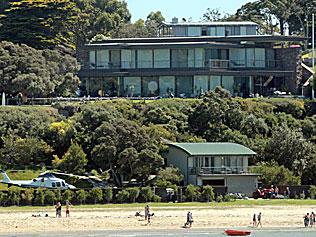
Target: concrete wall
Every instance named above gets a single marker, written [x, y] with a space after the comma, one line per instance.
[241, 184]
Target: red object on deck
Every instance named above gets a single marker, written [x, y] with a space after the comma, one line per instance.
[237, 232]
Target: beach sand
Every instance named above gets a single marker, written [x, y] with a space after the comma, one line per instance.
[97, 219]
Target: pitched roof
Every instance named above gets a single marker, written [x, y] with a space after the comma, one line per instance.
[216, 149]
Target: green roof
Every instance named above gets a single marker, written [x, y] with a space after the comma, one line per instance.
[215, 149]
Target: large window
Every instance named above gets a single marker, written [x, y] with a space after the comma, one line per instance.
[132, 86]
[215, 81]
[228, 83]
[196, 57]
[128, 58]
[92, 61]
[161, 58]
[145, 58]
[184, 86]
[237, 57]
[200, 85]
[150, 86]
[103, 58]
[255, 57]
[179, 58]
[167, 86]
[115, 59]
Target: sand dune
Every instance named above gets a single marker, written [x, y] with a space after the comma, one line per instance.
[167, 218]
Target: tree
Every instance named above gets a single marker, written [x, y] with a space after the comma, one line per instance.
[153, 20]
[212, 15]
[312, 191]
[81, 196]
[45, 23]
[49, 197]
[14, 195]
[99, 17]
[96, 195]
[40, 196]
[108, 194]
[133, 193]
[289, 148]
[170, 174]
[147, 193]
[73, 161]
[27, 196]
[208, 193]
[122, 196]
[68, 195]
[192, 192]
[36, 73]
[274, 174]
[24, 152]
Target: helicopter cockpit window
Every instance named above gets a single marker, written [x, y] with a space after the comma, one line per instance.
[58, 184]
[63, 183]
[53, 185]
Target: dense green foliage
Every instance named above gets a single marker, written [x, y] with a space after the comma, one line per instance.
[36, 73]
[124, 140]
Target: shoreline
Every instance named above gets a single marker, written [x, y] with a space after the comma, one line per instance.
[82, 220]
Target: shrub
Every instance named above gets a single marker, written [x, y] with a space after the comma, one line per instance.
[219, 198]
[3, 198]
[156, 198]
[81, 196]
[27, 196]
[192, 192]
[40, 197]
[227, 198]
[108, 195]
[49, 197]
[122, 196]
[68, 195]
[208, 193]
[96, 195]
[14, 195]
[57, 195]
[312, 191]
[133, 194]
[147, 193]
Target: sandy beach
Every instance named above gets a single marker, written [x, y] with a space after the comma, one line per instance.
[95, 219]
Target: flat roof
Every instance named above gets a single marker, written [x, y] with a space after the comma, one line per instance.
[178, 40]
[213, 149]
[213, 23]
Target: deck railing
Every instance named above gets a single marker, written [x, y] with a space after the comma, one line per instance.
[218, 170]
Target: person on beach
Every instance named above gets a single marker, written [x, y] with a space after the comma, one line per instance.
[67, 208]
[259, 220]
[146, 211]
[306, 220]
[58, 209]
[312, 219]
[254, 220]
[189, 219]
[149, 215]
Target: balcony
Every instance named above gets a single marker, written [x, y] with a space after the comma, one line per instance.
[188, 65]
[218, 170]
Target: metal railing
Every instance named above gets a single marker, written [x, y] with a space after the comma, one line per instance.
[218, 170]
[189, 64]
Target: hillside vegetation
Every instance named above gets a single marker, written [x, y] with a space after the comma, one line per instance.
[122, 140]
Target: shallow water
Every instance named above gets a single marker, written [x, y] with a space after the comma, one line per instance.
[174, 233]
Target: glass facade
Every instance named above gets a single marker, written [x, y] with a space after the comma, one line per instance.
[165, 86]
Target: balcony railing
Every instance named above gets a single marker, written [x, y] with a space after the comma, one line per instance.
[218, 170]
[188, 64]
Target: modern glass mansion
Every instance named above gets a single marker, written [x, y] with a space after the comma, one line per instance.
[188, 59]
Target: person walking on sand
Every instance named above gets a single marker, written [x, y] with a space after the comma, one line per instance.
[259, 220]
[254, 220]
[312, 219]
[189, 219]
[67, 208]
[306, 220]
[146, 212]
[58, 209]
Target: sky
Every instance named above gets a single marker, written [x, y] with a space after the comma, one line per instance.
[181, 8]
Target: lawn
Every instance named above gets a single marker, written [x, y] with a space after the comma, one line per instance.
[192, 205]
